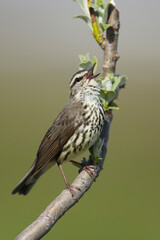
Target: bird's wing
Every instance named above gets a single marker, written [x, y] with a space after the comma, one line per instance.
[57, 135]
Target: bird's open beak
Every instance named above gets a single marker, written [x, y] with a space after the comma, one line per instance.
[89, 74]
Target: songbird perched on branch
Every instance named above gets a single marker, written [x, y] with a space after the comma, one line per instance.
[74, 130]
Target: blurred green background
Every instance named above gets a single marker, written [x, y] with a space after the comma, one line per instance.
[39, 45]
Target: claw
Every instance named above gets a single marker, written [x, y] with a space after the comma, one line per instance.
[88, 170]
[70, 188]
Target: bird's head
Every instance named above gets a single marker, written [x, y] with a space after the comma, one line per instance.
[83, 80]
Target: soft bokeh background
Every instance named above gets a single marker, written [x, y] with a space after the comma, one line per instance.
[39, 47]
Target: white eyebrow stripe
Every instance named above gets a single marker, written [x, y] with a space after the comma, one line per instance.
[80, 74]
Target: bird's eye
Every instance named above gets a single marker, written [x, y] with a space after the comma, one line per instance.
[77, 79]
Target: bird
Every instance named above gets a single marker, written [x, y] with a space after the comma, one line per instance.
[76, 129]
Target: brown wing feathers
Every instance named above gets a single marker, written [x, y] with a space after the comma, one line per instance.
[51, 146]
[55, 138]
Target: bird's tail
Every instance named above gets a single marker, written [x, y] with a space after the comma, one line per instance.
[25, 185]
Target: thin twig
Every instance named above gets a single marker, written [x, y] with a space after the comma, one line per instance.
[96, 33]
[84, 180]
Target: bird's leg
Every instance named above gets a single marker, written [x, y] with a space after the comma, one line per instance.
[65, 180]
[77, 164]
[85, 167]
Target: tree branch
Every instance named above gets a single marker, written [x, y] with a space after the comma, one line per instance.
[84, 180]
[110, 45]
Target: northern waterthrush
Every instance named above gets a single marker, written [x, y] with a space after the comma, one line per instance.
[74, 130]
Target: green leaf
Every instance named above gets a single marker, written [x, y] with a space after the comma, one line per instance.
[85, 65]
[105, 14]
[100, 79]
[103, 94]
[96, 150]
[87, 18]
[111, 95]
[113, 106]
[86, 62]
[106, 83]
[118, 82]
[103, 27]
[110, 87]
[95, 60]
[84, 5]
[100, 3]
[101, 12]
[123, 80]
[108, 96]
[84, 58]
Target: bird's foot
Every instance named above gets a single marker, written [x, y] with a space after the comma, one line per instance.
[72, 190]
[88, 169]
